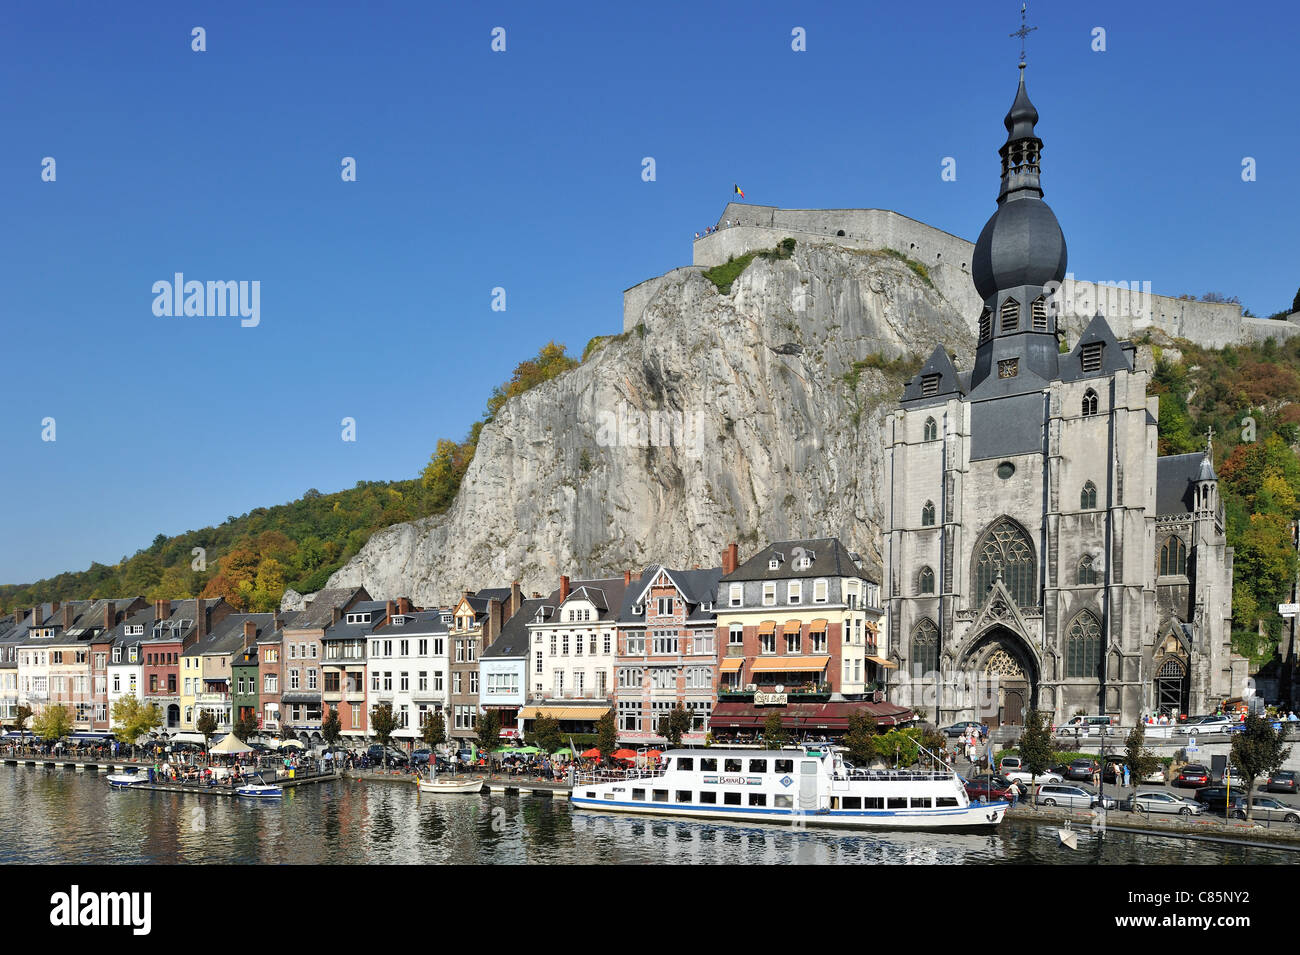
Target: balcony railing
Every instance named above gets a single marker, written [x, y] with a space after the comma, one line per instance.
[213, 699]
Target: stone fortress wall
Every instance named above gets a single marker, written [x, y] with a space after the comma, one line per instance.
[1129, 310]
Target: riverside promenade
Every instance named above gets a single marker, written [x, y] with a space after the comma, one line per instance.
[492, 782]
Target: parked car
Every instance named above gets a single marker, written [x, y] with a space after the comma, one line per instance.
[1023, 776]
[1232, 776]
[960, 729]
[990, 788]
[1266, 807]
[1088, 726]
[1280, 782]
[395, 756]
[1199, 725]
[1009, 763]
[1156, 801]
[421, 757]
[1158, 776]
[1193, 774]
[1081, 769]
[1213, 798]
[1070, 796]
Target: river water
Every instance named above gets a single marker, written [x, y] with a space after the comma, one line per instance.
[56, 815]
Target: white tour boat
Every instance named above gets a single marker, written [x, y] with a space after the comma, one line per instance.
[813, 785]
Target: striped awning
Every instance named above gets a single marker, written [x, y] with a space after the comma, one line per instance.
[766, 627]
[732, 664]
[817, 626]
[564, 712]
[791, 626]
[790, 664]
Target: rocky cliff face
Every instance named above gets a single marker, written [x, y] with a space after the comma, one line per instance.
[725, 417]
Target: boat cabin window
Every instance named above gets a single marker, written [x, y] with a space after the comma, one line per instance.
[661, 795]
[683, 795]
[922, 802]
[758, 765]
[783, 766]
[873, 802]
[852, 802]
[708, 797]
[783, 802]
[731, 799]
[897, 802]
[708, 765]
[638, 794]
[731, 765]
[758, 799]
[945, 801]
[685, 763]
[591, 794]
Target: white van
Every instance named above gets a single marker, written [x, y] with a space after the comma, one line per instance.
[1088, 726]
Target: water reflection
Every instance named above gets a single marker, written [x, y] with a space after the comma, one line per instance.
[56, 815]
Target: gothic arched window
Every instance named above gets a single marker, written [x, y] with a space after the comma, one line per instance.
[1010, 315]
[1173, 558]
[1083, 647]
[1005, 547]
[1089, 402]
[925, 581]
[1088, 497]
[925, 646]
[927, 514]
[931, 429]
[1087, 572]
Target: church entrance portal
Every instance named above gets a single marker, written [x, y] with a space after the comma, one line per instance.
[1009, 677]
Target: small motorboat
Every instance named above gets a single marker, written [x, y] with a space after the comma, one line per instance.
[126, 780]
[1069, 838]
[260, 790]
[450, 784]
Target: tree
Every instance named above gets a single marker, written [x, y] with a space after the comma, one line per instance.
[133, 719]
[773, 731]
[861, 738]
[1257, 751]
[1141, 762]
[383, 721]
[1035, 745]
[434, 729]
[207, 725]
[245, 727]
[606, 734]
[546, 734]
[675, 725]
[53, 723]
[331, 728]
[23, 714]
[1295, 302]
[489, 730]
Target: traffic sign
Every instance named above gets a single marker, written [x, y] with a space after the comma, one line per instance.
[1288, 610]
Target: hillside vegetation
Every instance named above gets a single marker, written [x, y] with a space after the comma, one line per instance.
[251, 559]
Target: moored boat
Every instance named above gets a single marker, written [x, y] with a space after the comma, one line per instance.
[260, 790]
[810, 786]
[125, 780]
[450, 784]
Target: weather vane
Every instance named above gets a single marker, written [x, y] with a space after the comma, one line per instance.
[1023, 32]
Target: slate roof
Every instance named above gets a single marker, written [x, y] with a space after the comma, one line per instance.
[1176, 475]
[228, 635]
[343, 630]
[829, 559]
[605, 594]
[319, 614]
[699, 587]
[418, 623]
[950, 382]
[117, 636]
[513, 641]
[1113, 356]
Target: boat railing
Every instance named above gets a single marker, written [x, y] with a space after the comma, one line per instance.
[897, 775]
[616, 775]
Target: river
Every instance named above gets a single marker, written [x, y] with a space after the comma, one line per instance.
[58, 815]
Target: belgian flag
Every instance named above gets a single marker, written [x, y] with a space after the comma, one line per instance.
[738, 191]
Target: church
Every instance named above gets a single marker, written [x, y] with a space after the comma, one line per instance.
[1039, 553]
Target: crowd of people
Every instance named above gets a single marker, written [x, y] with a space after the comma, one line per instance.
[709, 230]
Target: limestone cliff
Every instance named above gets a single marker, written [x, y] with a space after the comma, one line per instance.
[723, 417]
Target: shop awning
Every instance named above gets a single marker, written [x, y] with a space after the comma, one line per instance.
[806, 716]
[564, 712]
[881, 661]
[817, 626]
[766, 627]
[791, 626]
[790, 664]
[732, 664]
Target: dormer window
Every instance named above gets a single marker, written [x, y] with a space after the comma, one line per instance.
[1010, 315]
[358, 618]
[135, 630]
[399, 620]
[1038, 312]
[929, 385]
[1090, 356]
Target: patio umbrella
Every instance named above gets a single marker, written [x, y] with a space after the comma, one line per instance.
[592, 753]
[652, 754]
[624, 754]
[563, 752]
[526, 751]
[292, 744]
[231, 744]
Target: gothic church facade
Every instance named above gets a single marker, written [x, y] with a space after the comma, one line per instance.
[1040, 554]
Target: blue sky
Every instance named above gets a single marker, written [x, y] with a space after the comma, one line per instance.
[522, 170]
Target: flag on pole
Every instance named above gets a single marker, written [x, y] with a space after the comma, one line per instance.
[740, 192]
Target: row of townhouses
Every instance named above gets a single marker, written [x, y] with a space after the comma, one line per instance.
[795, 628]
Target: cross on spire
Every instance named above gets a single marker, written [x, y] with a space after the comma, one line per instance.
[1023, 32]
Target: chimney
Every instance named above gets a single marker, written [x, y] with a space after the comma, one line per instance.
[336, 614]
[67, 616]
[404, 605]
[37, 618]
[730, 559]
[54, 607]
[110, 615]
[564, 588]
[492, 628]
[200, 618]
[516, 598]
[627, 578]
[162, 609]
[18, 617]
[391, 610]
[250, 633]
[466, 594]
